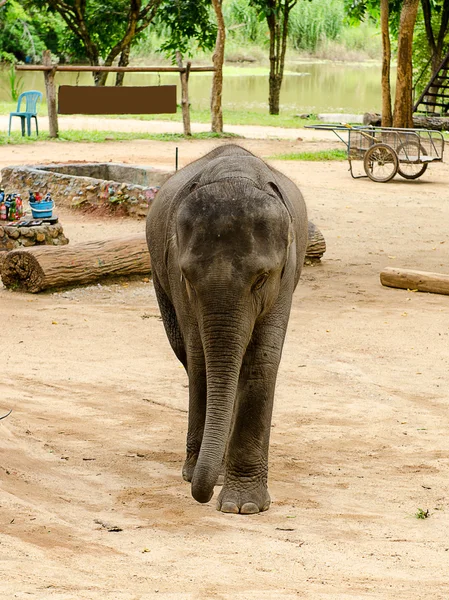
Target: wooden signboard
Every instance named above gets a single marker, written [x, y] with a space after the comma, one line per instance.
[111, 100]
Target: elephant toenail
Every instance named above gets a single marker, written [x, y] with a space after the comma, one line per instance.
[229, 507]
[249, 508]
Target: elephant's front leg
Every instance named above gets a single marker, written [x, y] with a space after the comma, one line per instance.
[196, 369]
[245, 483]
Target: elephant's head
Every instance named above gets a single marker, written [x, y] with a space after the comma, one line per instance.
[233, 243]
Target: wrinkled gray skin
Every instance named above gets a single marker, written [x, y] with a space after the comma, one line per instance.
[227, 237]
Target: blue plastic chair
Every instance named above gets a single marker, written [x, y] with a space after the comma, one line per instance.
[30, 112]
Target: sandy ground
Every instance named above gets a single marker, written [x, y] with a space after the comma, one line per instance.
[360, 431]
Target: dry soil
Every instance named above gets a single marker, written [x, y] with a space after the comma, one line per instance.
[92, 503]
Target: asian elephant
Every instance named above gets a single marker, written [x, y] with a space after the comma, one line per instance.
[227, 236]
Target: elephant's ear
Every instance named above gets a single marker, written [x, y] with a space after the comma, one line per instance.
[277, 191]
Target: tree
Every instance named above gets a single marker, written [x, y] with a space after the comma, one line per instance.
[399, 16]
[403, 105]
[188, 26]
[387, 117]
[218, 60]
[277, 13]
[104, 30]
[436, 28]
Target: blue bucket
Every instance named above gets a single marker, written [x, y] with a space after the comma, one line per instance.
[42, 210]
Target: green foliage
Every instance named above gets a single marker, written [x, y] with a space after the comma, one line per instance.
[26, 31]
[243, 23]
[105, 136]
[362, 10]
[313, 22]
[188, 26]
[15, 83]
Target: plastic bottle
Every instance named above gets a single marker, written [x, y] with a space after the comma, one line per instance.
[12, 211]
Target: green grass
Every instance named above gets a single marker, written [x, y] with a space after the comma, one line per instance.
[107, 136]
[320, 155]
[422, 514]
[230, 117]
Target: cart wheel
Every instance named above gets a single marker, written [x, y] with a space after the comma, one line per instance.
[381, 163]
[408, 154]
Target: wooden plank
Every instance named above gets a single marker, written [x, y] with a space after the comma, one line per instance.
[101, 69]
[422, 281]
[111, 100]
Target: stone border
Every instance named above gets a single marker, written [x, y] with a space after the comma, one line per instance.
[73, 190]
[45, 234]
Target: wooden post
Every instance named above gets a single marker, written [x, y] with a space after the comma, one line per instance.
[50, 89]
[184, 75]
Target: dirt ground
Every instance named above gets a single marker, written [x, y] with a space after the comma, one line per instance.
[92, 503]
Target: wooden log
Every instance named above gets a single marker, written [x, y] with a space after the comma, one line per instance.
[316, 246]
[43, 267]
[422, 281]
[419, 121]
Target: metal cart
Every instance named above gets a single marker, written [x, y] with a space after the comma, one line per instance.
[386, 151]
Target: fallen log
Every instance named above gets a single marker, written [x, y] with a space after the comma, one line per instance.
[419, 121]
[42, 267]
[316, 246]
[422, 281]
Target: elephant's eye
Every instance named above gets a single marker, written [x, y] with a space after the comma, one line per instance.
[261, 279]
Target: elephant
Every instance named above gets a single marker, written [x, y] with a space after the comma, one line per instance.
[227, 235]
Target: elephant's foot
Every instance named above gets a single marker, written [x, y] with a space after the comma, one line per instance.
[243, 496]
[189, 468]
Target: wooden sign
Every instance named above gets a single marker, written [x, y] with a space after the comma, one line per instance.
[111, 100]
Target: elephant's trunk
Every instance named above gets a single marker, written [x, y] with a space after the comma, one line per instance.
[224, 341]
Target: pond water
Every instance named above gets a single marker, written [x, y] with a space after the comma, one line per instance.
[307, 87]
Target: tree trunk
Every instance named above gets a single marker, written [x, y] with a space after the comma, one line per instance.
[123, 62]
[217, 81]
[50, 90]
[403, 106]
[184, 76]
[277, 20]
[42, 267]
[387, 118]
